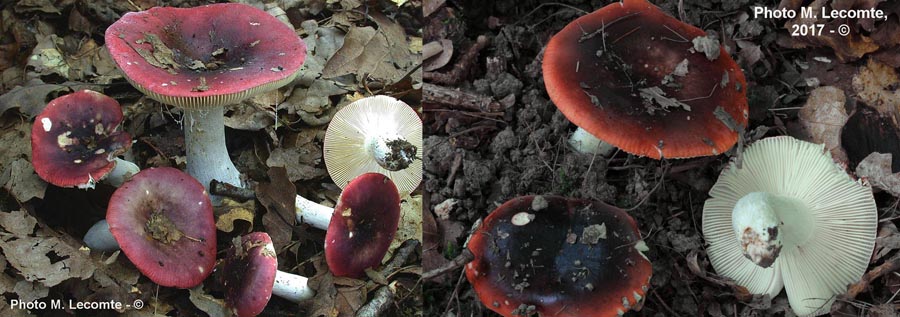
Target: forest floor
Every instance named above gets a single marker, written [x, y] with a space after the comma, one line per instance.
[493, 134]
[50, 48]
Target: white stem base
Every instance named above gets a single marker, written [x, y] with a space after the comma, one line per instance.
[98, 238]
[584, 142]
[292, 287]
[764, 224]
[312, 213]
[207, 157]
[122, 172]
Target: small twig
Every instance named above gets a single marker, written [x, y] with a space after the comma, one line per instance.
[401, 255]
[380, 302]
[225, 189]
[891, 265]
[464, 257]
[455, 98]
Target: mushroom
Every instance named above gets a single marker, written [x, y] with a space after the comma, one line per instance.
[250, 276]
[361, 227]
[163, 221]
[557, 256]
[790, 218]
[377, 134]
[201, 59]
[75, 141]
[630, 76]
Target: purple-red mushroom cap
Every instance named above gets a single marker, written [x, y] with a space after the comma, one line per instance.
[363, 225]
[560, 257]
[248, 274]
[206, 56]
[75, 139]
[163, 221]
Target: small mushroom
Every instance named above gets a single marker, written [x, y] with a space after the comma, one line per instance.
[790, 218]
[250, 276]
[201, 59]
[163, 221]
[360, 228]
[377, 134]
[556, 256]
[630, 76]
[76, 138]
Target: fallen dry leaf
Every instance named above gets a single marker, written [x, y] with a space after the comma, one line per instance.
[31, 253]
[231, 211]
[875, 84]
[277, 196]
[823, 116]
[381, 54]
[207, 303]
[877, 169]
[21, 181]
[30, 98]
[410, 224]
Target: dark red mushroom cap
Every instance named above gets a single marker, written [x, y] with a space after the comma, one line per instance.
[614, 73]
[74, 140]
[564, 257]
[163, 221]
[249, 274]
[206, 56]
[362, 226]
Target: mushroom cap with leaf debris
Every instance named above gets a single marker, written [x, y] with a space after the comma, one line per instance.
[646, 82]
[207, 56]
[75, 139]
[558, 257]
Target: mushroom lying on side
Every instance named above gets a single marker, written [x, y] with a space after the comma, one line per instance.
[76, 138]
[790, 218]
[630, 76]
[558, 257]
[201, 59]
[361, 227]
[377, 134]
[250, 276]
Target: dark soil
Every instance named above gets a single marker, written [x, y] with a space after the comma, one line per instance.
[476, 160]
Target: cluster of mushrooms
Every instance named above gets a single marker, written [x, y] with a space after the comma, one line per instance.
[782, 216]
[201, 59]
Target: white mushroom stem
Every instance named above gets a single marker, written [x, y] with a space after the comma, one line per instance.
[207, 157]
[98, 238]
[122, 172]
[584, 142]
[291, 287]
[391, 151]
[312, 213]
[765, 223]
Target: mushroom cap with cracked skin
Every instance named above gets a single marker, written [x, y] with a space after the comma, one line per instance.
[558, 257]
[163, 221]
[74, 140]
[206, 56]
[611, 71]
[345, 150]
[827, 241]
[248, 274]
[363, 225]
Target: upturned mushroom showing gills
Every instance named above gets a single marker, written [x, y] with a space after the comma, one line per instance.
[76, 138]
[162, 219]
[376, 134]
[250, 276]
[558, 257]
[630, 76]
[790, 218]
[201, 59]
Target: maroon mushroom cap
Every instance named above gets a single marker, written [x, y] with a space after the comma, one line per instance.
[564, 257]
[362, 226]
[206, 56]
[74, 140]
[249, 274]
[629, 75]
[163, 221]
